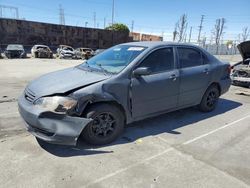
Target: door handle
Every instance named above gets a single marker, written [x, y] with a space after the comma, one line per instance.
[205, 71]
[173, 77]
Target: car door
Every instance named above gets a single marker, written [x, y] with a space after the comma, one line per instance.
[158, 91]
[194, 75]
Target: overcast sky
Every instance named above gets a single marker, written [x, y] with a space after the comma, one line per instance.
[155, 17]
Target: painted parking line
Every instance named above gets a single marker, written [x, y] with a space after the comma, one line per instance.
[215, 130]
[164, 152]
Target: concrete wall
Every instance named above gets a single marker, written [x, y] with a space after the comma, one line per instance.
[30, 33]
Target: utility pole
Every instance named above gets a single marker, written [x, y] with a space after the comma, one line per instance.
[104, 23]
[200, 28]
[61, 15]
[132, 26]
[94, 19]
[190, 34]
[113, 11]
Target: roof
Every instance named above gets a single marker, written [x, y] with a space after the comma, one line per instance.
[153, 44]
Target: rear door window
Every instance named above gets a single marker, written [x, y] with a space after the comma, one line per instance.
[189, 57]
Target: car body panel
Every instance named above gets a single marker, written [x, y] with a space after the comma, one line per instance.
[49, 126]
[63, 81]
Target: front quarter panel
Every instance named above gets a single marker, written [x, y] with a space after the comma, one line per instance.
[114, 89]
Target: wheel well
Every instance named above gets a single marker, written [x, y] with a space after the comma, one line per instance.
[106, 102]
[217, 85]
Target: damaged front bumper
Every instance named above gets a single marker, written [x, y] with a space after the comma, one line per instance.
[50, 126]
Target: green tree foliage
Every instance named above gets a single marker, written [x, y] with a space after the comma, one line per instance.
[118, 27]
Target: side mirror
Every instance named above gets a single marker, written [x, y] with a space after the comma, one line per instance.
[142, 71]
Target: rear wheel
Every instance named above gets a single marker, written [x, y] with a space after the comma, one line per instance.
[108, 123]
[210, 99]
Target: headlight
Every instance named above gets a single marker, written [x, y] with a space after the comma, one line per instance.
[56, 103]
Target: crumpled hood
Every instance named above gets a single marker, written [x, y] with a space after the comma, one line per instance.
[244, 49]
[63, 81]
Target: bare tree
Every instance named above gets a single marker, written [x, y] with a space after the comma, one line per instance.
[180, 29]
[245, 33]
[218, 31]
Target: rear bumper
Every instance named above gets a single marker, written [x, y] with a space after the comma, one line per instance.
[225, 85]
[49, 126]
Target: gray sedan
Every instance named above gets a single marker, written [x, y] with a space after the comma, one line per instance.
[126, 83]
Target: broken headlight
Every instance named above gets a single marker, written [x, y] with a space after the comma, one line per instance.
[56, 104]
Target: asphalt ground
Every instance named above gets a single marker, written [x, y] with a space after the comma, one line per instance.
[185, 148]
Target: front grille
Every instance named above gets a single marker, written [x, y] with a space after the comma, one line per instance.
[29, 95]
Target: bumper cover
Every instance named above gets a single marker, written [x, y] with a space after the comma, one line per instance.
[225, 85]
[49, 126]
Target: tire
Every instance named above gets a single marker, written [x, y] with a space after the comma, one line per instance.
[210, 99]
[107, 125]
[36, 55]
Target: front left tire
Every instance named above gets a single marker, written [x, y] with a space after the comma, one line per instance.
[107, 125]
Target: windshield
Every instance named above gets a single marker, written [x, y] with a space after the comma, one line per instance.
[15, 47]
[114, 59]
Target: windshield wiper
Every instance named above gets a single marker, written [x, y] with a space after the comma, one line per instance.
[103, 69]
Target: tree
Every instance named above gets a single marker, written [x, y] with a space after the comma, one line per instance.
[218, 31]
[245, 33]
[180, 29]
[118, 27]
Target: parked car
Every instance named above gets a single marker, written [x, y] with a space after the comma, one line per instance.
[98, 51]
[15, 51]
[41, 51]
[126, 83]
[64, 51]
[241, 70]
[84, 53]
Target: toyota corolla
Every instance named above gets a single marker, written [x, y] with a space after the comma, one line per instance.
[126, 83]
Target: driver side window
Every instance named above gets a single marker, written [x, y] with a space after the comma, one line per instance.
[160, 60]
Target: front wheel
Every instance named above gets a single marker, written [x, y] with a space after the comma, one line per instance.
[210, 99]
[108, 123]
